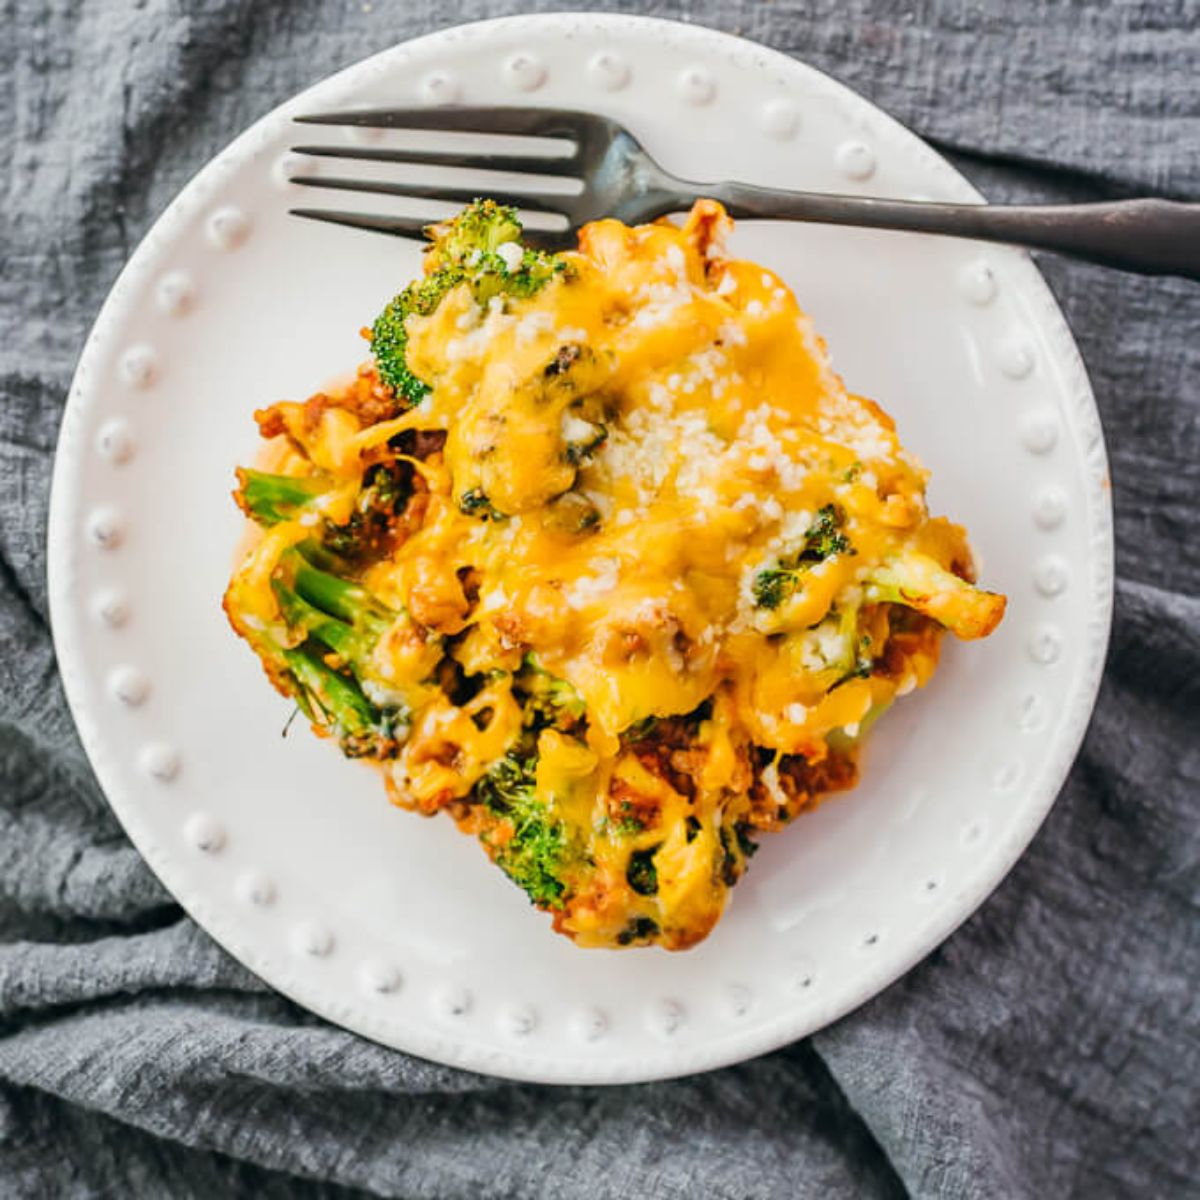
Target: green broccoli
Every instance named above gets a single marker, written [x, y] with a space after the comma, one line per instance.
[269, 499]
[549, 700]
[628, 826]
[823, 539]
[737, 848]
[480, 229]
[329, 615]
[386, 489]
[537, 852]
[475, 503]
[856, 660]
[639, 931]
[772, 585]
[337, 704]
[389, 338]
[641, 873]
[342, 615]
[466, 249]
[920, 583]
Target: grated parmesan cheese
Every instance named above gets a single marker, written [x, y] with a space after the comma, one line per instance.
[511, 254]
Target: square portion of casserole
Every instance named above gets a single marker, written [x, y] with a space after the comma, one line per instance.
[598, 555]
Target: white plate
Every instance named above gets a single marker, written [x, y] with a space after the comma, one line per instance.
[397, 927]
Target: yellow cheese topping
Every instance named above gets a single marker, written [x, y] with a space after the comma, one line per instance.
[653, 487]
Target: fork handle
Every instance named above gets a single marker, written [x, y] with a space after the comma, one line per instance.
[1147, 236]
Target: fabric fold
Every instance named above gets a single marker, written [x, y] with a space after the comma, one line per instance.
[1048, 1048]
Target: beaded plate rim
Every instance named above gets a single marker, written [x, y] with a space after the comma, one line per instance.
[160, 762]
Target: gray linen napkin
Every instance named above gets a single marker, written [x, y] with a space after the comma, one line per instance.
[1049, 1048]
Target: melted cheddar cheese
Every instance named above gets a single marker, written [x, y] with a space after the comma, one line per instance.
[644, 488]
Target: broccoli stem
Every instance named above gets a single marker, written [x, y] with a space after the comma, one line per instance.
[535, 852]
[299, 614]
[919, 582]
[321, 651]
[463, 250]
[366, 536]
[338, 703]
[823, 539]
[334, 595]
[549, 700]
[269, 499]
[342, 615]
[324, 610]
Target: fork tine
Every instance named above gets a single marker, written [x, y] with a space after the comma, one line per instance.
[407, 227]
[531, 164]
[530, 122]
[544, 203]
[414, 227]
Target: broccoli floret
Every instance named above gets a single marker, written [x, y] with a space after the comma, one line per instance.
[920, 583]
[639, 930]
[535, 854]
[823, 539]
[737, 849]
[477, 241]
[641, 873]
[385, 491]
[475, 503]
[467, 249]
[481, 228]
[773, 585]
[492, 276]
[389, 339]
[549, 700]
[269, 499]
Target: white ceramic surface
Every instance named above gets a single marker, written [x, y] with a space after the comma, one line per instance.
[397, 927]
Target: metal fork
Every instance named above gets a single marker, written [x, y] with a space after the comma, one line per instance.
[619, 179]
